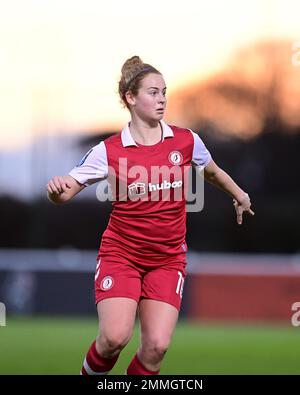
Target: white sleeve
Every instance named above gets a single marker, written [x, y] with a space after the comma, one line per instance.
[93, 166]
[201, 155]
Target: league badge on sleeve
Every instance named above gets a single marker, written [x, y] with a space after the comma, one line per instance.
[84, 158]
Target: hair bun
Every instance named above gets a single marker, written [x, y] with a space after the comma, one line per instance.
[131, 66]
[134, 61]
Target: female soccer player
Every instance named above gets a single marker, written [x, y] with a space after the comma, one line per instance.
[141, 261]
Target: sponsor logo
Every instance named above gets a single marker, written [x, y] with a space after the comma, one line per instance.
[139, 188]
[175, 157]
[107, 283]
[190, 189]
[136, 189]
[164, 185]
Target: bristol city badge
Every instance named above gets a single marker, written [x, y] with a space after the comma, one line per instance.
[106, 283]
[176, 158]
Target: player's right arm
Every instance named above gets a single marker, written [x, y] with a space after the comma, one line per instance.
[60, 189]
[92, 168]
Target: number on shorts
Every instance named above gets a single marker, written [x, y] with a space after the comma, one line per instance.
[179, 288]
[97, 269]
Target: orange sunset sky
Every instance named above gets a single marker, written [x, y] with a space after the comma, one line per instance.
[60, 60]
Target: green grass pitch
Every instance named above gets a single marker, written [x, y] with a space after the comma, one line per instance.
[58, 346]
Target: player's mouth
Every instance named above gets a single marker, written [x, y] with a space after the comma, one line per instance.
[160, 110]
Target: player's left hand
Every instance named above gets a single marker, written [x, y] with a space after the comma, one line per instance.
[242, 206]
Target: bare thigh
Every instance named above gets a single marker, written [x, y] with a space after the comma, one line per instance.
[158, 321]
[116, 318]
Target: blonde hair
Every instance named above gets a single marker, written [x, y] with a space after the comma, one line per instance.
[132, 73]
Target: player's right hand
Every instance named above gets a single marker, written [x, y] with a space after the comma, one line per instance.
[58, 185]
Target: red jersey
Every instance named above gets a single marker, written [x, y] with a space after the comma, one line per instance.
[148, 183]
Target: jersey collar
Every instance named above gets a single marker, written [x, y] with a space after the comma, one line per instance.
[127, 139]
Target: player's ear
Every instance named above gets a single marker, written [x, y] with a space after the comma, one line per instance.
[130, 98]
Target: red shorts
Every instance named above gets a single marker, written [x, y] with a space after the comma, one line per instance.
[119, 277]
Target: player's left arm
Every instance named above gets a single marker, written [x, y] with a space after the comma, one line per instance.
[218, 177]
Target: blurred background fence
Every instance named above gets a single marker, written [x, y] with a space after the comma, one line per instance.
[219, 287]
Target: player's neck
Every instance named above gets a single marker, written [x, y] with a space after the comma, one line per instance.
[144, 133]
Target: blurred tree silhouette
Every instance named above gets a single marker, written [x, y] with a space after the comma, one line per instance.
[259, 90]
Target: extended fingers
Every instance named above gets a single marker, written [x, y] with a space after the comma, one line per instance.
[251, 211]
[239, 217]
[239, 214]
[241, 207]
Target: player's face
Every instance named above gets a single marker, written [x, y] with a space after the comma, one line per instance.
[150, 102]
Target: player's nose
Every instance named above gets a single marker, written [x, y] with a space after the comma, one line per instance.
[162, 99]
